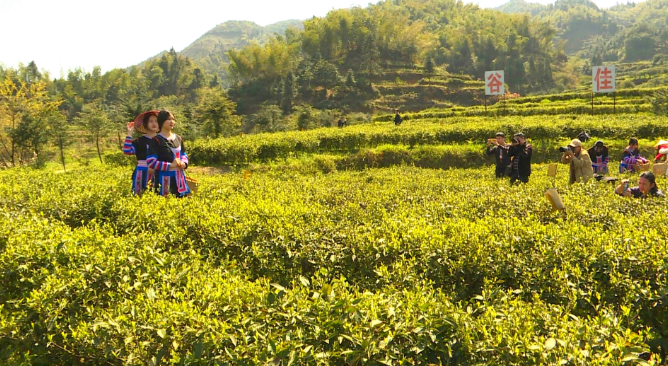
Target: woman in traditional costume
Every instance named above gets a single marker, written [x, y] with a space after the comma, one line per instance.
[167, 155]
[146, 124]
[631, 157]
[661, 151]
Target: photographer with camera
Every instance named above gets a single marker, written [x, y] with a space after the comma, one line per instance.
[599, 157]
[646, 187]
[499, 149]
[579, 160]
[520, 151]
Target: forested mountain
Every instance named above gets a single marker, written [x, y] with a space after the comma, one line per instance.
[343, 60]
[209, 51]
[234, 35]
[627, 32]
[521, 6]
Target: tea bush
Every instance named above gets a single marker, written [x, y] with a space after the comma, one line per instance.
[280, 146]
[399, 265]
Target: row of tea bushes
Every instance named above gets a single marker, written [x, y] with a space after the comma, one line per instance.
[269, 147]
[398, 227]
[87, 296]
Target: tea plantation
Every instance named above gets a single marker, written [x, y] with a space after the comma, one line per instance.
[351, 265]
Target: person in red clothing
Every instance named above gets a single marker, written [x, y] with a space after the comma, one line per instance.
[661, 151]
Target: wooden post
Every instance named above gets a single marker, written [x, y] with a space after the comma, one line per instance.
[614, 102]
[592, 103]
[485, 103]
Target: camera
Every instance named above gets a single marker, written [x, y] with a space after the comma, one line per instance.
[516, 141]
[563, 149]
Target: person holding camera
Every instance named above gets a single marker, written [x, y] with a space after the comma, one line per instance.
[599, 157]
[499, 149]
[578, 158]
[646, 187]
[520, 151]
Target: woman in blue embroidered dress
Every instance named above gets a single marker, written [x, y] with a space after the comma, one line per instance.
[167, 155]
[146, 124]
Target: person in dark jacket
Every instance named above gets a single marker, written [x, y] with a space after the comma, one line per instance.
[599, 157]
[397, 118]
[520, 151]
[342, 122]
[499, 149]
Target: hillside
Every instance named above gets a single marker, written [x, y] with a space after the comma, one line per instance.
[234, 35]
[520, 6]
[209, 50]
[627, 32]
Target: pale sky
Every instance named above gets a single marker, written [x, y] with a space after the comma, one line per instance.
[63, 34]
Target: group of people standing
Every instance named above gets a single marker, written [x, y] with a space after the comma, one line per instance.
[161, 155]
[514, 161]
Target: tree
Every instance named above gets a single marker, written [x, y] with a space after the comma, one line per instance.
[269, 118]
[216, 113]
[59, 131]
[257, 62]
[31, 73]
[289, 92]
[326, 75]
[429, 66]
[29, 136]
[23, 110]
[639, 46]
[306, 117]
[370, 62]
[305, 75]
[95, 122]
[215, 82]
[350, 79]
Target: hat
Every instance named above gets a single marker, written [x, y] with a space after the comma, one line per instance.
[500, 134]
[661, 142]
[599, 143]
[519, 134]
[575, 143]
[139, 121]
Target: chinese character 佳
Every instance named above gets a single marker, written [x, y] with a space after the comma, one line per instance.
[603, 79]
[494, 83]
